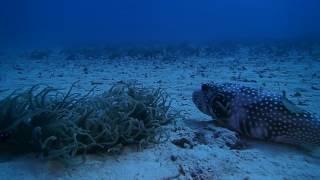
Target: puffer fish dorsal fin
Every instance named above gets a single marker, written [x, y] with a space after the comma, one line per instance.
[290, 106]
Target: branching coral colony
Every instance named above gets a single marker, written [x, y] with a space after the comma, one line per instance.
[42, 119]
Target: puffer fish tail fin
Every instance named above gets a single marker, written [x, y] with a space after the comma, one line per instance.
[290, 106]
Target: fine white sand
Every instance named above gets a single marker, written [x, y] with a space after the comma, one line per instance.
[209, 157]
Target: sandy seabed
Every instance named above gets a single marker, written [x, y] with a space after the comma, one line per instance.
[208, 155]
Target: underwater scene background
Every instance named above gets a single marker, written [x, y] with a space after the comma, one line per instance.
[159, 89]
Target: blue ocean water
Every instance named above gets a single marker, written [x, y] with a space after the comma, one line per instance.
[39, 23]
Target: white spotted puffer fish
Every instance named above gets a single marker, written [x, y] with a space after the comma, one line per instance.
[258, 114]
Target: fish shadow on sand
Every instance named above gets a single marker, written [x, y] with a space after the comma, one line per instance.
[212, 128]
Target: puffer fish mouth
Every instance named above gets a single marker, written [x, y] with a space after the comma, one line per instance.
[200, 100]
[196, 98]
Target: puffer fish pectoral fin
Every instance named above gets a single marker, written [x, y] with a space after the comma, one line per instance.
[225, 109]
[222, 107]
[290, 106]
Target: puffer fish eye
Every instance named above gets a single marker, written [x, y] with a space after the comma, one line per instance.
[219, 97]
[205, 87]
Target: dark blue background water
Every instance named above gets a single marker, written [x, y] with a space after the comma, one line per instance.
[52, 22]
